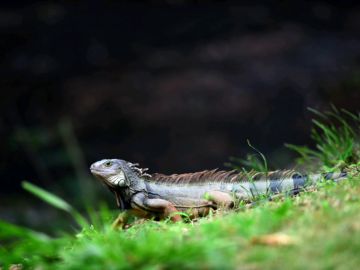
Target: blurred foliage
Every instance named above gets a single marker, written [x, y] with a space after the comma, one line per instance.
[56, 202]
[336, 135]
[55, 153]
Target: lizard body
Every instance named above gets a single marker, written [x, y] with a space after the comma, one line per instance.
[164, 195]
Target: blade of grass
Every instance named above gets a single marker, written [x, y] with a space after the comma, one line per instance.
[47, 197]
[55, 201]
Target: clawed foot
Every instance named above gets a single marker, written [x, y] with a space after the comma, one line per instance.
[128, 219]
[121, 222]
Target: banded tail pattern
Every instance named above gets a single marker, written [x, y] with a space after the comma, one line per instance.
[288, 182]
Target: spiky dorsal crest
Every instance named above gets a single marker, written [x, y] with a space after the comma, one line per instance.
[212, 176]
[222, 176]
[141, 172]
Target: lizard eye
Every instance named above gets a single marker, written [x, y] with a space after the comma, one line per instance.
[108, 163]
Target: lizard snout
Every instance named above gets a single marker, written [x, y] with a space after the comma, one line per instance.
[92, 166]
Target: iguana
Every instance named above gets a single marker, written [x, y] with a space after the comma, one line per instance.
[158, 195]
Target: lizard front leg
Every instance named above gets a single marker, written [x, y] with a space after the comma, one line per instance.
[122, 220]
[141, 202]
[127, 218]
[220, 199]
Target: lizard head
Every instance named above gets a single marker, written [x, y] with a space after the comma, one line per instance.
[111, 172]
[117, 172]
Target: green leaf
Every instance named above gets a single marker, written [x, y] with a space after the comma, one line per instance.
[47, 197]
[8, 231]
[55, 201]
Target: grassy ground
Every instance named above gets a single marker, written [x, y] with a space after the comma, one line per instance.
[317, 230]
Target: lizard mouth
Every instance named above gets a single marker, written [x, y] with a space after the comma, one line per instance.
[96, 172]
[99, 174]
[99, 171]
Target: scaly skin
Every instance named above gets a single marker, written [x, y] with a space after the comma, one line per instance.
[164, 196]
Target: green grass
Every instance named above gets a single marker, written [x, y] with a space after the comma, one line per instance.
[317, 230]
[324, 227]
[337, 143]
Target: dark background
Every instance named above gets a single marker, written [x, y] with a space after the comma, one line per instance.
[175, 85]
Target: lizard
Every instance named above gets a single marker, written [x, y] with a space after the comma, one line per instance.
[164, 196]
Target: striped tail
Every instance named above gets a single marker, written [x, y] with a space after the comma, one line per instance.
[279, 182]
[302, 182]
